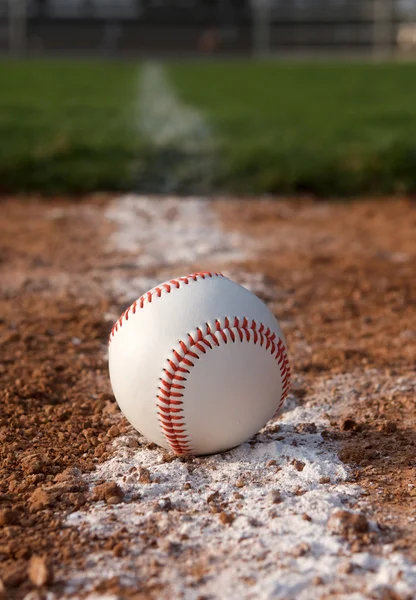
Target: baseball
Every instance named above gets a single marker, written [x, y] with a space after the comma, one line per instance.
[198, 364]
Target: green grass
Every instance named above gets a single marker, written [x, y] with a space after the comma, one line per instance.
[322, 128]
[67, 126]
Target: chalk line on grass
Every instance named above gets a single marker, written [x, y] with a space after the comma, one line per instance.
[164, 118]
[179, 137]
[249, 523]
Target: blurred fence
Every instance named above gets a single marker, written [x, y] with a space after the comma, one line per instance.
[208, 27]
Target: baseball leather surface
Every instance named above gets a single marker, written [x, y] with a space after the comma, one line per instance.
[198, 364]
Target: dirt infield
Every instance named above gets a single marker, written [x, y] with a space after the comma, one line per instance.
[340, 279]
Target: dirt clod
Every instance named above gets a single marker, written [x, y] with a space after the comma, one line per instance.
[15, 576]
[298, 464]
[40, 499]
[348, 424]
[347, 524]
[114, 431]
[110, 492]
[39, 572]
[68, 474]
[276, 496]
[144, 475]
[9, 517]
[226, 518]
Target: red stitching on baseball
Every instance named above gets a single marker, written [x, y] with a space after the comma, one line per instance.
[172, 425]
[283, 361]
[158, 292]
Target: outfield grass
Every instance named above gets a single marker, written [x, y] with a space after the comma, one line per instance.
[67, 126]
[323, 128]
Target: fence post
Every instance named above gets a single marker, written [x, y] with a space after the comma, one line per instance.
[261, 10]
[17, 27]
[383, 19]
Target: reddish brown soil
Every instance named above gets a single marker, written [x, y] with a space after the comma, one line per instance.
[340, 277]
[351, 293]
[56, 396]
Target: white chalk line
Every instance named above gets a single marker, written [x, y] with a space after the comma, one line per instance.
[255, 556]
[167, 234]
[180, 137]
[163, 118]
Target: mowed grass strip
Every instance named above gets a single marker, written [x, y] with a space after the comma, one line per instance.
[66, 126]
[323, 128]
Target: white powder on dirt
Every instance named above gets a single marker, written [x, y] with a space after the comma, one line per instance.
[164, 235]
[269, 528]
[249, 523]
[281, 488]
[169, 231]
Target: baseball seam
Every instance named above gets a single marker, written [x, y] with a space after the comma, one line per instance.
[172, 385]
[157, 292]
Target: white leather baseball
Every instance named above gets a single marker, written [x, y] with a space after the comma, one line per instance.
[198, 364]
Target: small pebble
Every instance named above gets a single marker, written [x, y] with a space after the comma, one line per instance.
[38, 571]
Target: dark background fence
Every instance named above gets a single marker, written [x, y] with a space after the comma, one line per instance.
[208, 27]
